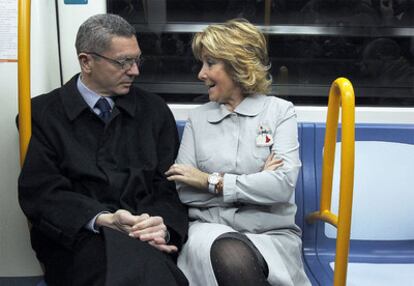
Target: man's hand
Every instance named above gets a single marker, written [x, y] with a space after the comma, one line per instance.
[121, 220]
[144, 227]
[153, 230]
[188, 175]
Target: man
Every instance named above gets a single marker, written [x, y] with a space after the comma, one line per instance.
[93, 184]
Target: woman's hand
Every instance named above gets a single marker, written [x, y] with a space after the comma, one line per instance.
[188, 175]
[272, 163]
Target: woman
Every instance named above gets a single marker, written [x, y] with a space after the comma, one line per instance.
[237, 168]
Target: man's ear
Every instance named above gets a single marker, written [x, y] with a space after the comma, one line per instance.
[85, 62]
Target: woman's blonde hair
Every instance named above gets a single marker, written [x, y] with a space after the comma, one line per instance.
[242, 47]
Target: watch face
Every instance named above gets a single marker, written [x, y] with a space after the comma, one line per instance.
[213, 178]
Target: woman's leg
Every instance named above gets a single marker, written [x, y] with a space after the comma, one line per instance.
[236, 261]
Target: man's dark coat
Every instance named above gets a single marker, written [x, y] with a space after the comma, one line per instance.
[76, 166]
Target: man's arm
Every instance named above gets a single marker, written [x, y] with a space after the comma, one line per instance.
[46, 196]
[166, 201]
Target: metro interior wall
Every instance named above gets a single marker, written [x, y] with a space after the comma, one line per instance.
[16, 255]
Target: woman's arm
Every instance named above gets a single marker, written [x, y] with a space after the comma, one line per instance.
[274, 183]
[192, 185]
[270, 186]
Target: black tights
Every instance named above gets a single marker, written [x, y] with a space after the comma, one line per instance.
[236, 261]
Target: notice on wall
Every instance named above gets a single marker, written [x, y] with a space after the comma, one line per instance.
[8, 30]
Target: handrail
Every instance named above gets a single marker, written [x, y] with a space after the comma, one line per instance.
[341, 93]
[23, 66]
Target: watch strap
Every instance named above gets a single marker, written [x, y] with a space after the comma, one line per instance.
[215, 179]
[211, 188]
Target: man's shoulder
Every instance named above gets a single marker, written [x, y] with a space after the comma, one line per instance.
[147, 95]
[148, 99]
[45, 101]
[52, 99]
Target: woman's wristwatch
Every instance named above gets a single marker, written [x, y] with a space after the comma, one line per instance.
[215, 183]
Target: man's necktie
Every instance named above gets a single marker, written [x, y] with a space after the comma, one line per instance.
[103, 105]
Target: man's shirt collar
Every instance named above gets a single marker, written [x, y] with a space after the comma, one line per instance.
[90, 96]
[75, 103]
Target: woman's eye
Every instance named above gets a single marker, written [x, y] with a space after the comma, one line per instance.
[211, 62]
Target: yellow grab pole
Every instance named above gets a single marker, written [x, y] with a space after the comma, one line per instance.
[25, 128]
[341, 93]
[347, 181]
[329, 148]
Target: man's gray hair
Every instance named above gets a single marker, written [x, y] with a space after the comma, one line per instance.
[96, 33]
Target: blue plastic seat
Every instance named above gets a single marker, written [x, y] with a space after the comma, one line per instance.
[382, 229]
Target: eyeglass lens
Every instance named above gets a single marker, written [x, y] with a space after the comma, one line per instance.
[128, 63]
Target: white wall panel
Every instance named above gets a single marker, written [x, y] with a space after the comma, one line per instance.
[16, 255]
[383, 191]
[44, 53]
[70, 18]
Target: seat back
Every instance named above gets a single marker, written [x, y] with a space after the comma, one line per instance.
[382, 229]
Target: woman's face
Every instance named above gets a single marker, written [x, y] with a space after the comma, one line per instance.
[221, 87]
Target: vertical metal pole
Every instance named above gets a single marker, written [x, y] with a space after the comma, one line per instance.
[341, 93]
[347, 181]
[23, 79]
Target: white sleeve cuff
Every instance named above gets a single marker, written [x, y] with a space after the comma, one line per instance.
[167, 236]
[229, 188]
[91, 224]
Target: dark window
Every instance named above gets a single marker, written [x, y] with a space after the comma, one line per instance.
[311, 43]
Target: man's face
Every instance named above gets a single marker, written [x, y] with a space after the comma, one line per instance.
[108, 78]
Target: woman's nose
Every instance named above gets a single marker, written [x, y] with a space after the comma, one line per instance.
[202, 74]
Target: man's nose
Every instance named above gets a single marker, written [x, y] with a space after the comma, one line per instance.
[134, 70]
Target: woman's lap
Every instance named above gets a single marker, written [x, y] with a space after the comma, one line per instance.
[281, 251]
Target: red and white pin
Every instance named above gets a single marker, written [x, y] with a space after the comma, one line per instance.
[264, 137]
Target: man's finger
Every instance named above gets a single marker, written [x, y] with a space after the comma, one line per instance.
[151, 221]
[164, 247]
[149, 233]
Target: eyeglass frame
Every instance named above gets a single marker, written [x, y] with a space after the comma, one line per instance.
[121, 63]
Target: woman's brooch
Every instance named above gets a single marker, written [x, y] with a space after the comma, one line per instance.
[264, 137]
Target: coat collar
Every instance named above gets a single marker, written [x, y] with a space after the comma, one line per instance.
[74, 104]
[250, 106]
[127, 102]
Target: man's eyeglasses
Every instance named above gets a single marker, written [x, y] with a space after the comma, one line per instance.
[124, 64]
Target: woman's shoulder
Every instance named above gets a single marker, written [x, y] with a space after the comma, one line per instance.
[202, 110]
[278, 102]
[277, 108]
